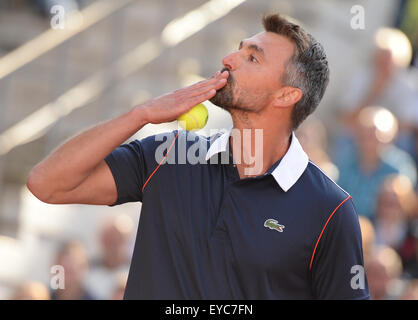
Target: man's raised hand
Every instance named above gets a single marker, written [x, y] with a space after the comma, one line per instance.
[170, 106]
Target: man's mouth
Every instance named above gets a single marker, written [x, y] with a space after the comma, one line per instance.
[230, 79]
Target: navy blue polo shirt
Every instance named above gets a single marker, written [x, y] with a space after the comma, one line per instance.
[204, 233]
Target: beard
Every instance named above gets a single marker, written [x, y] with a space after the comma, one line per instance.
[231, 98]
[225, 97]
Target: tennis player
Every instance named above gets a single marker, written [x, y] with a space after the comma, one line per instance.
[217, 228]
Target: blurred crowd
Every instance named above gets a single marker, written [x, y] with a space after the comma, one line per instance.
[83, 277]
[373, 156]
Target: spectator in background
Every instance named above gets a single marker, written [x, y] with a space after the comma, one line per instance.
[409, 251]
[119, 288]
[391, 224]
[385, 83]
[72, 257]
[31, 290]
[383, 270]
[368, 237]
[391, 249]
[115, 237]
[411, 291]
[364, 166]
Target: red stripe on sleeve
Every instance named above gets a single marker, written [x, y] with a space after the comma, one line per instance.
[323, 229]
[172, 144]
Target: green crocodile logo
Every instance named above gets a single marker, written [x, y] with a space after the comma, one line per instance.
[274, 225]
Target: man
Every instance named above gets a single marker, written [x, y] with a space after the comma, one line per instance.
[216, 230]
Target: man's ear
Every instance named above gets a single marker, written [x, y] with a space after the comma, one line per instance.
[287, 96]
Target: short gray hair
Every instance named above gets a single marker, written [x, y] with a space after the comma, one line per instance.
[306, 70]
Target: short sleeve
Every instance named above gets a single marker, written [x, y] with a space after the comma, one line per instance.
[128, 166]
[132, 164]
[337, 270]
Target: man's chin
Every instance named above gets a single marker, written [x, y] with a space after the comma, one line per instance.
[223, 100]
[222, 106]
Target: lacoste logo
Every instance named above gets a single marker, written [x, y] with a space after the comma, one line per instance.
[274, 225]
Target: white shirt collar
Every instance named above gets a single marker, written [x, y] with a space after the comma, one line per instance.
[290, 168]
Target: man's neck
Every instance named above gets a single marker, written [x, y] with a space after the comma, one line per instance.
[258, 144]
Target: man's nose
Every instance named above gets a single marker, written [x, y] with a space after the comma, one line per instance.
[231, 61]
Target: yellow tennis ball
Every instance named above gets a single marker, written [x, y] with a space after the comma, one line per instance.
[195, 119]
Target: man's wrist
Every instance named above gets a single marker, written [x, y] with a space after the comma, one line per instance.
[139, 114]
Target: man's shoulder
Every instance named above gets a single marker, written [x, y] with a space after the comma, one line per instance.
[323, 188]
[332, 206]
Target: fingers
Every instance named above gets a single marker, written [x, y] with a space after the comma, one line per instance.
[217, 82]
[198, 91]
[202, 97]
[218, 75]
[202, 90]
[206, 89]
[224, 74]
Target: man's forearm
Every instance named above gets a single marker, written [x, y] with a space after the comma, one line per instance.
[76, 172]
[70, 164]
